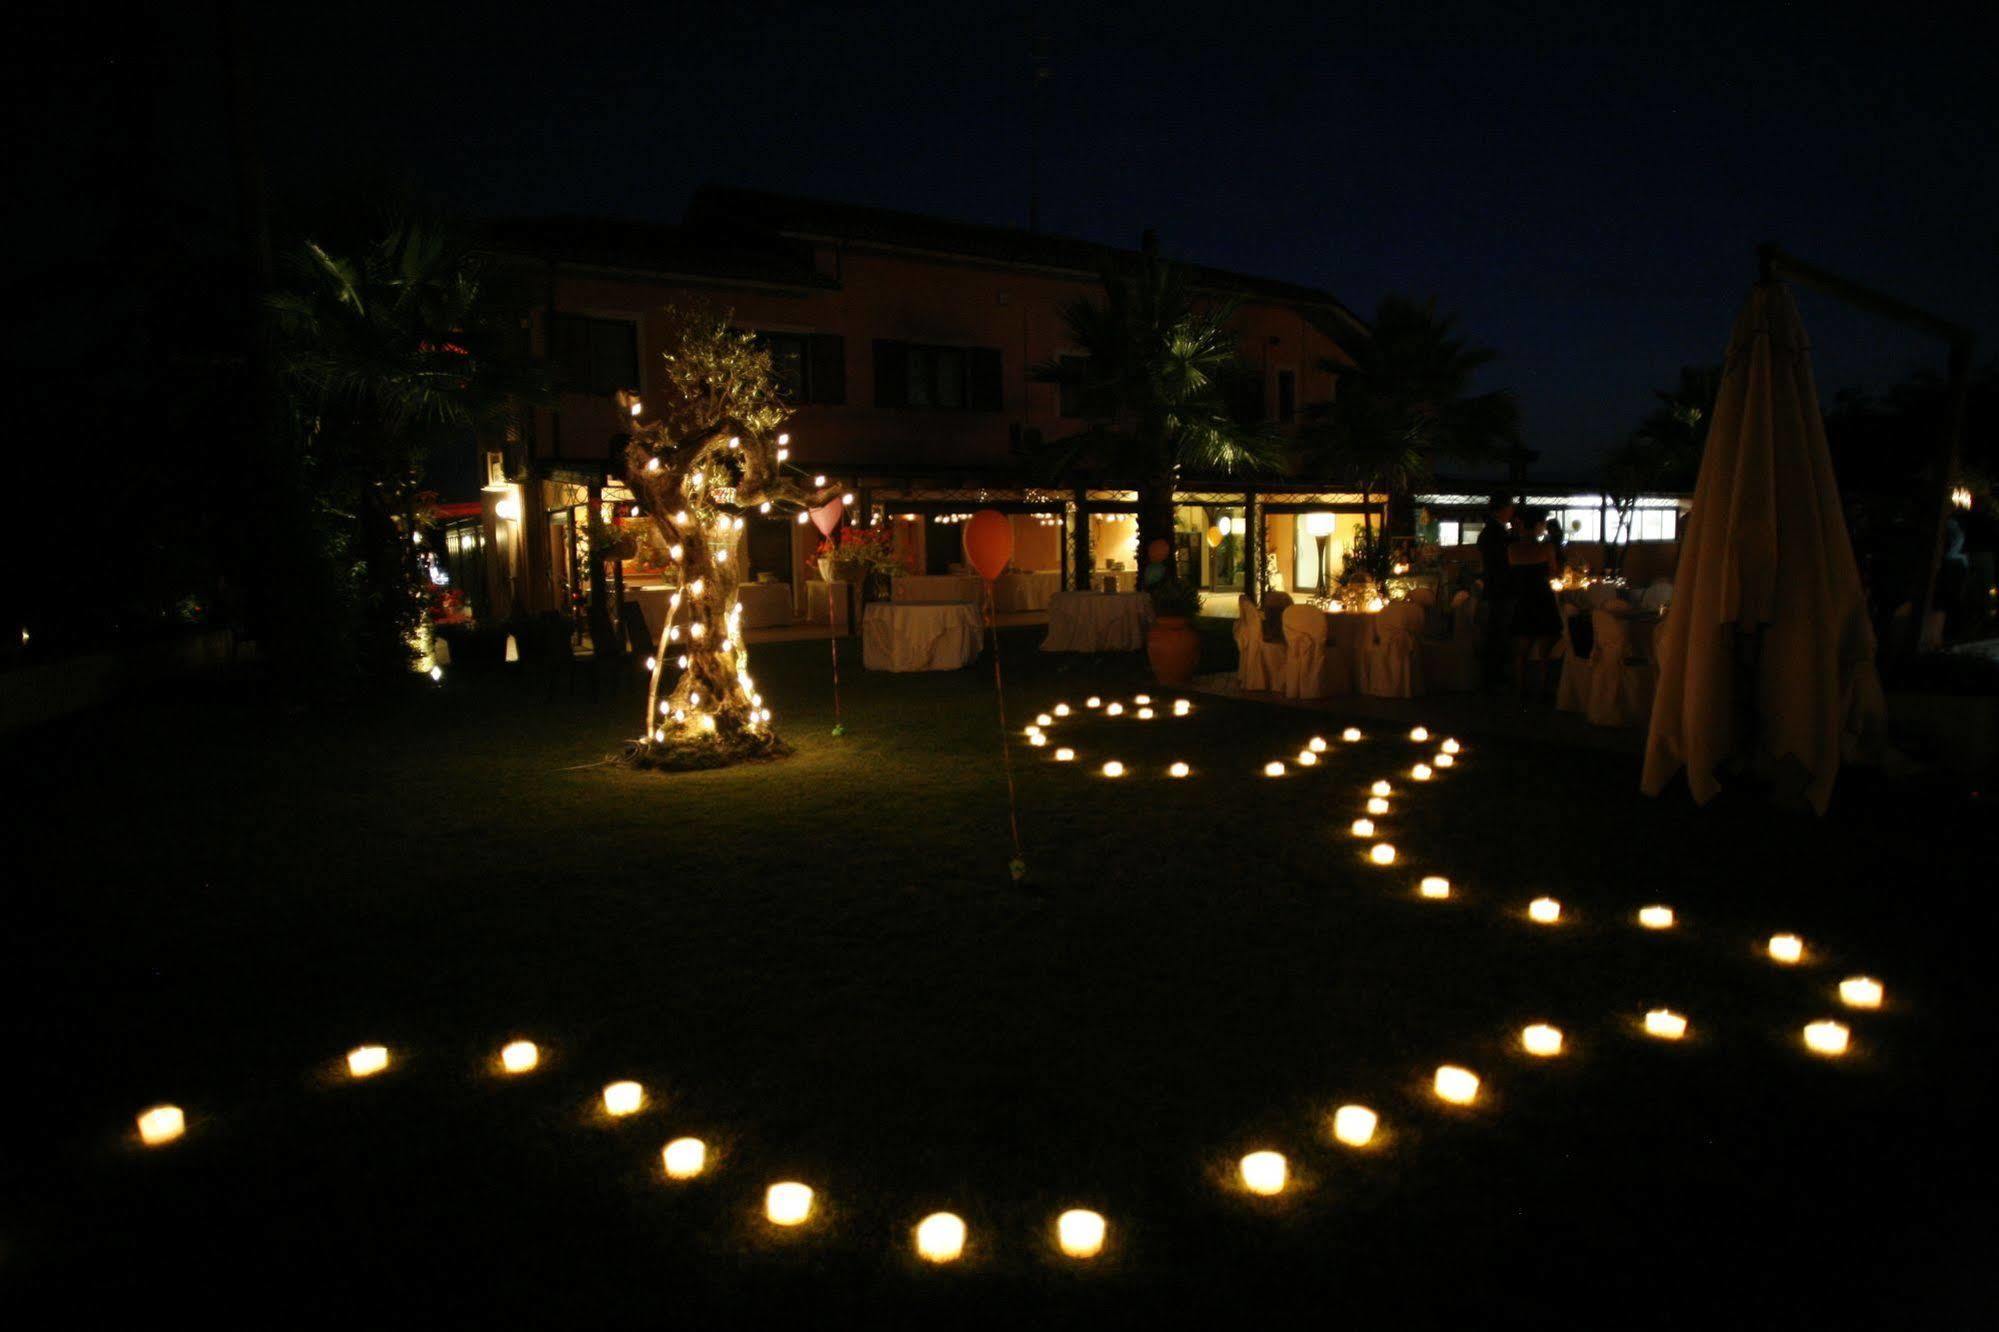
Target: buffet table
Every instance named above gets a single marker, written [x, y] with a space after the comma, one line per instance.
[919, 635]
[1030, 591]
[937, 587]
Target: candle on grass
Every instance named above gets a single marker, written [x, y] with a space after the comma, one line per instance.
[1826, 1037]
[1665, 1024]
[1421, 772]
[519, 1056]
[1381, 853]
[1434, 886]
[684, 1158]
[1351, 734]
[1452, 746]
[365, 1061]
[940, 1238]
[1354, 1125]
[1656, 917]
[1317, 744]
[788, 1204]
[1273, 769]
[1544, 911]
[1065, 755]
[1786, 948]
[1306, 758]
[1381, 788]
[1113, 769]
[1376, 805]
[1541, 1039]
[1860, 992]
[161, 1124]
[623, 1098]
[1362, 828]
[1420, 734]
[1457, 1085]
[1178, 770]
[1080, 1233]
[1264, 1173]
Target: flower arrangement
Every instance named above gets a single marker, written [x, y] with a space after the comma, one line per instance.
[864, 550]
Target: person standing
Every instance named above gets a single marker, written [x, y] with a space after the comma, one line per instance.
[1537, 616]
[1501, 586]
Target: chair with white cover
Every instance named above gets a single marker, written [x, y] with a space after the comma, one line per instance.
[1657, 595]
[1572, 692]
[1259, 662]
[1451, 660]
[1620, 683]
[1390, 664]
[1313, 666]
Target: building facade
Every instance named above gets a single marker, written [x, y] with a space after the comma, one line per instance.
[904, 344]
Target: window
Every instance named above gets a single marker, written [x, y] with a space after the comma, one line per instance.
[808, 367]
[1447, 532]
[1580, 524]
[595, 355]
[909, 374]
[1653, 525]
[1287, 394]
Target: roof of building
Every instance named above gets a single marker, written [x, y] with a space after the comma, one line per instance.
[752, 235]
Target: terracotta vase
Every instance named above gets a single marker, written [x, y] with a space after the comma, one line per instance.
[1173, 648]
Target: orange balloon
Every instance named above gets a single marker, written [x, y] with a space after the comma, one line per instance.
[1159, 550]
[988, 543]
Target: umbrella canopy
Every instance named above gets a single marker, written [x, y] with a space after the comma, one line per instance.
[1767, 657]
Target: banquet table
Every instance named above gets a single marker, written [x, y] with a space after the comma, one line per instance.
[765, 604]
[937, 587]
[816, 610]
[1031, 591]
[919, 635]
[1097, 621]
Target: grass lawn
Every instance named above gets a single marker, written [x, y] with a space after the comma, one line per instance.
[820, 967]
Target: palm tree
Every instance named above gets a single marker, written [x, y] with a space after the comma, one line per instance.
[388, 353]
[1159, 371]
[1405, 402]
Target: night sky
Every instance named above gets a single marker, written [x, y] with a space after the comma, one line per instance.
[1584, 189]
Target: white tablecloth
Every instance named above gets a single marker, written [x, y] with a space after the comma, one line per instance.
[938, 587]
[1026, 591]
[1097, 622]
[919, 635]
[816, 593]
[765, 604]
[652, 600]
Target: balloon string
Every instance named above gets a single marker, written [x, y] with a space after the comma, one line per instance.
[1006, 741]
[833, 637]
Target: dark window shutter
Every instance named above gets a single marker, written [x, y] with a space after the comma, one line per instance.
[986, 393]
[891, 374]
[829, 368]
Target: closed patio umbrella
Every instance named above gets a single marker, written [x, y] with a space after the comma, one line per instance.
[1766, 657]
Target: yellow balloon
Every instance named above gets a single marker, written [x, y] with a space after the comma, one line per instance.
[1214, 536]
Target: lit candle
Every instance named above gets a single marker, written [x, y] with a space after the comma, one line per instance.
[1354, 1125]
[1656, 917]
[1044, 720]
[1179, 770]
[1306, 758]
[1351, 734]
[1860, 992]
[1113, 769]
[1317, 744]
[1273, 769]
[1065, 755]
[1080, 1233]
[365, 1061]
[1826, 1038]
[1181, 707]
[1434, 885]
[1421, 772]
[1786, 948]
[161, 1125]
[1541, 1039]
[1114, 710]
[1145, 714]
[1665, 1024]
[519, 1056]
[787, 1204]
[684, 1158]
[1381, 789]
[1264, 1172]
[1141, 698]
[1452, 746]
[1061, 709]
[623, 1098]
[1093, 702]
[1363, 828]
[1376, 805]
[1037, 739]
[1457, 1085]
[940, 1238]
[1382, 854]
[1544, 911]
[1443, 760]
[1420, 734]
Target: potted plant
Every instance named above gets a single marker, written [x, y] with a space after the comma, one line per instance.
[1171, 644]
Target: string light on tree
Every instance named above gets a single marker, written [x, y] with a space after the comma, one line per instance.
[706, 455]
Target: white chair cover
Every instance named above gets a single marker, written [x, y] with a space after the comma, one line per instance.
[1620, 685]
[1390, 664]
[1313, 665]
[1259, 663]
[1656, 595]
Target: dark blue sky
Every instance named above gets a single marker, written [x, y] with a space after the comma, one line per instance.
[1583, 186]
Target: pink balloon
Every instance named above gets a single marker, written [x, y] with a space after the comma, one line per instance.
[827, 516]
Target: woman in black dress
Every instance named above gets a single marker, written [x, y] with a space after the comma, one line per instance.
[1537, 616]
